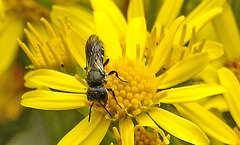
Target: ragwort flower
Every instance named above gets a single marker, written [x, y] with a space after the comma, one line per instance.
[48, 52]
[143, 69]
[13, 16]
[143, 136]
[227, 33]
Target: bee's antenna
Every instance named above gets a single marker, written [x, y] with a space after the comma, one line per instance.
[104, 106]
[116, 74]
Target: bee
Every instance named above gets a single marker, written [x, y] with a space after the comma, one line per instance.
[96, 75]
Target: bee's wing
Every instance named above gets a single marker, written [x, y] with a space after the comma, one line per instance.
[94, 53]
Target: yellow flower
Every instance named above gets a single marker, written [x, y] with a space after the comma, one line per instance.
[226, 31]
[143, 69]
[48, 47]
[194, 56]
[228, 34]
[13, 15]
[51, 52]
[143, 136]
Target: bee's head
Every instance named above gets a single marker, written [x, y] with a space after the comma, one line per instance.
[98, 93]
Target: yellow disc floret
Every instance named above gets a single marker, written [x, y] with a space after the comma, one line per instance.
[135, 95]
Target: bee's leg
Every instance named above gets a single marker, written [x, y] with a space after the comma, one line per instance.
[106, 62]
[89, 114]
[116, 74]
[104, 106]
[111, 90]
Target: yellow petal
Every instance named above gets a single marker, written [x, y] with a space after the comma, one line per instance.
[191, 93]
[206, 10]
[126, 128]
[213, 126]
[114, 15]
[231, 83]
[168, 12]
[80, 17]
[11, 29]
[135, 9]
[87, 133]
[179, 127]
[77, 42]
[214, 49]
[144, 120]
[48, 100]
[227, 31]
[98, 133]
[163, 50]
[136, 37]
[105, 30]
[184, 70]
[55, 80]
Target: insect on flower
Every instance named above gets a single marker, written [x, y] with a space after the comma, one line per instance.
[96, 74]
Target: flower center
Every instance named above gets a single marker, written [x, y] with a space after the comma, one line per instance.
[135, 95]
[28, 9]
[52, 53]
[234, 66]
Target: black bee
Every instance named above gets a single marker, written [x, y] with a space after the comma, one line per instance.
[96, 76]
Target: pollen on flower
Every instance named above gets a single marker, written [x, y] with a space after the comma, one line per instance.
[27, 9]
[52, 53]
[135, 94]
[234, 66]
